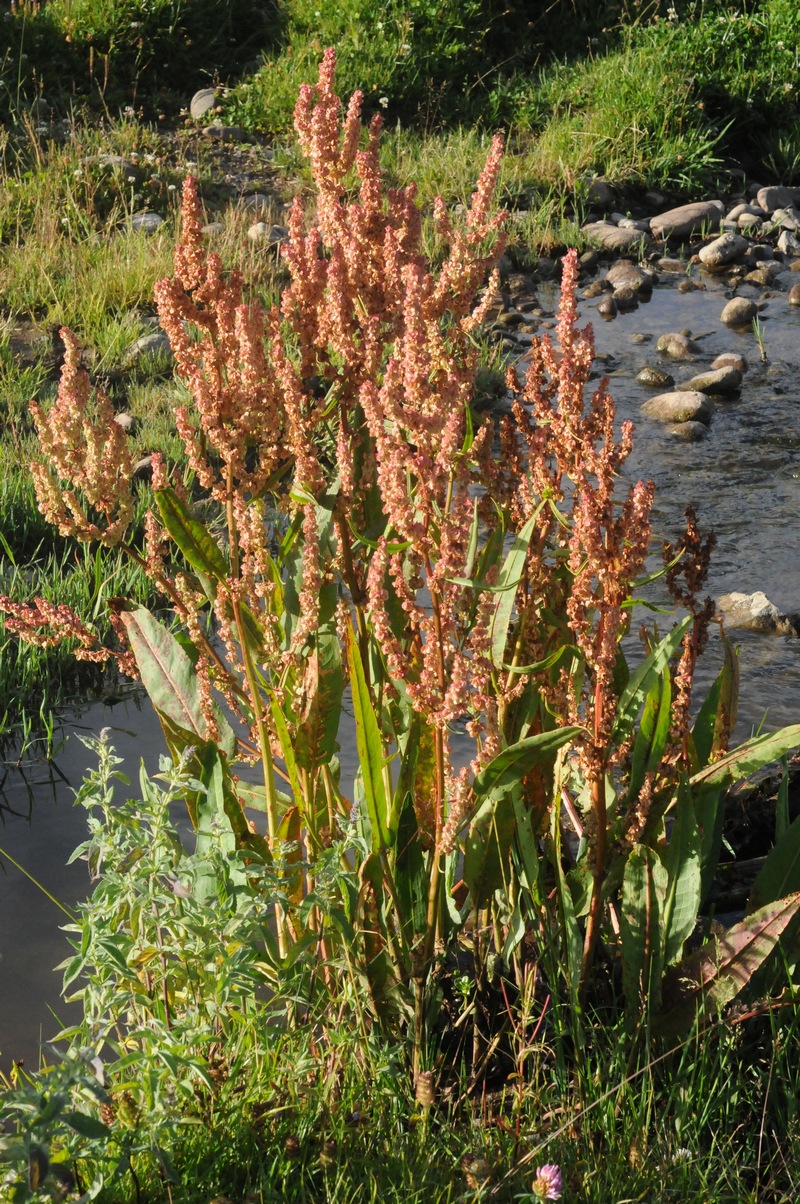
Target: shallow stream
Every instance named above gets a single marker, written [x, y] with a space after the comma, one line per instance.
[744, 480]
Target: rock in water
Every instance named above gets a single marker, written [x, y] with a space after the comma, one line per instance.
[718, 380]
[739, 311]
[677, 347]
[755, 612]
[723, 250]
[679, 407]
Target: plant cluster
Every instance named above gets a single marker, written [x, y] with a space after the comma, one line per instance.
[535, 819]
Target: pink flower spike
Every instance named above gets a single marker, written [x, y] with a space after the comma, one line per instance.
[548, 1183]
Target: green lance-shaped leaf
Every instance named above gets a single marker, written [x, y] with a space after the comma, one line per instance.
[510, 574]
[780, 873]
[513, 763]
[644, 890]
[717, 716]
[682, 861]
[713, 976]
[170, 680]
[748, 758]
[487, 848]
[572, 959]
[641, 683]
[370, 750]
[194, 540]
[651, 737]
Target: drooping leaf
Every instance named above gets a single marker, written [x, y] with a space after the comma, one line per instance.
[682, 862]
[513, 763]
[748, 758]
[194, 540]
[644, 890]
[712, 977]
[642, 680]
[370, 750]
[169, 678]
[487, 848]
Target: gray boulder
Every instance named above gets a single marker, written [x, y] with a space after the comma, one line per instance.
[628, 275]
[717, 380]
[609, 237]
[679, 407]
[776, 196]
[686, 219]
[146, 223]
[755, 612]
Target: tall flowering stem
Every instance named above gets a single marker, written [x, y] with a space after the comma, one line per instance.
[486, 569]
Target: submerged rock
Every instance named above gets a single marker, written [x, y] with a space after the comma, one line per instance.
[755, 612]
[677, 347]
[655, 378]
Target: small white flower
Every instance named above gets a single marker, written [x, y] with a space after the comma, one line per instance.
[78, 172]
[171, 188]
[131, 179]
[384, 102]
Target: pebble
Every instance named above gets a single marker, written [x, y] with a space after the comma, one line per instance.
[739, 311]
[150, 344]
[794, 294]
[691, 286]
[213, 228]
[677, 347]
[607, 308]
[723, 250]
[262, 232]
[788, 244]
[146, 223]
[730, 359]
[201, 103]
[218, 132]
[787, 219]
[625, 298]
[258, 202]
[628, 275]
[679, 406]
[726, 379]
[595, 289]
[599, 192]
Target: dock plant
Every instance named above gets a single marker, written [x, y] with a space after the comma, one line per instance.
[534, 799]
